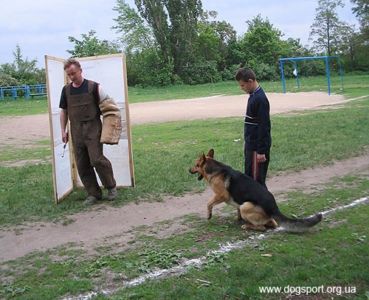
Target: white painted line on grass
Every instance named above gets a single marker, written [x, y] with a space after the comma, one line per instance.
[356, 98]
[352, 204]
[198, 262]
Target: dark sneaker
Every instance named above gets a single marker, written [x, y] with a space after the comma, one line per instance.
[112, 194]
[90, 200]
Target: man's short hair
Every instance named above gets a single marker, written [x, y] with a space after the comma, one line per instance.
[71, 61]
[245, 74]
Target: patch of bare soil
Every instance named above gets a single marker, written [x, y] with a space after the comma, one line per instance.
[105, 226]
[25, 130]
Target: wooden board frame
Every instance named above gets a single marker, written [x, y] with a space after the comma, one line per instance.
[75, 178]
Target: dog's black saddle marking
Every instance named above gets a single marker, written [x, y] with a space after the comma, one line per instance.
[243, 188]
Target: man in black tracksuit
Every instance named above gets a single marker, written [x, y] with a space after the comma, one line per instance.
[257, 127]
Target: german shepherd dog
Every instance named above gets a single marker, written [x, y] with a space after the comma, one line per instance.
[255, 204]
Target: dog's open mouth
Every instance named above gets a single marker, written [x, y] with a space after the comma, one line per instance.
[199, 177]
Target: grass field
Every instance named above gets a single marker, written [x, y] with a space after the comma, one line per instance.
[353, 85]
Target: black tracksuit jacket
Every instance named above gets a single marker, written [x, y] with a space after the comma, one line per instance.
[257, 123]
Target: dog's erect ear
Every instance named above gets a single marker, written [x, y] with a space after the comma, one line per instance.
[203, 158]
[211, 153]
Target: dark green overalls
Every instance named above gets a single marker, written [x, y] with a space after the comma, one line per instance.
[85, 123]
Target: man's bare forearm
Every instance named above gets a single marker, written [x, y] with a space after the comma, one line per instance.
[63, 125]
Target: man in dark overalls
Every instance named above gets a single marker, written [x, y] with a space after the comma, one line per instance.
[80, 104]
[257, 127]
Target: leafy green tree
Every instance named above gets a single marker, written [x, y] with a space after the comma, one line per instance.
[361, 10]
[135, 33]
[90, 45]
[227, 35]
[361, 39]
[165, 27]
[326, 26]
[293, 47]
[147, 68]
[154, 13]
[211, 51]
[262, 42]
[347, 44]
[261, 46]
[183, 16]
[21, 71]
[207, 46]
[174, 25]
[214, 39]
[7, 80]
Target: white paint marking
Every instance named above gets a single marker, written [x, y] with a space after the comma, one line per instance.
[356, 98]
[352, 204]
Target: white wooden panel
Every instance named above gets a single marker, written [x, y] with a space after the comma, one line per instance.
[62, 172]
[109, 72]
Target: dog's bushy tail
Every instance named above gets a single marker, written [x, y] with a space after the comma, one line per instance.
[296, 224]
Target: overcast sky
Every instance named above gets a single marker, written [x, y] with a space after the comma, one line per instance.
[42, 26]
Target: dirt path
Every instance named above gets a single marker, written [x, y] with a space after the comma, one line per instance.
[107, 225]
[25, 130]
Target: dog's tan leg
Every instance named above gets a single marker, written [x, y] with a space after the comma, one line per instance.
[254, 215]
[220, 193]
[210, 208]
[216, 199]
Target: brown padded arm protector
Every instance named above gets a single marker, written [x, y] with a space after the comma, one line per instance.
[109, 107]
[112, 123]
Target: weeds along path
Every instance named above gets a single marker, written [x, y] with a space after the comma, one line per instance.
[115, 226]
[26, 130]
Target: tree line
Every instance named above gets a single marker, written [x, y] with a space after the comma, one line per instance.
[178, 41]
